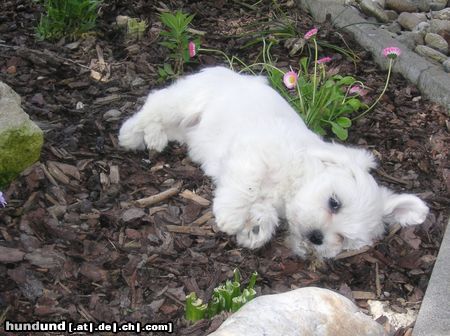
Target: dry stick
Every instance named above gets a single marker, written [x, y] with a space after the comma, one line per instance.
[192, 230]
[147, 201]
[351, 253]
[189, 195]
[377, 280]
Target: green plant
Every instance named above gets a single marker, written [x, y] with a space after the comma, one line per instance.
[176, 38]
[67, 18]
[136, 28]
[225, 297]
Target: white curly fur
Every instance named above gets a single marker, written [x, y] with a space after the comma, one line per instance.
[267, 164]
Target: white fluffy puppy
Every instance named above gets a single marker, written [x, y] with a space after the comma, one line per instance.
[267, 165]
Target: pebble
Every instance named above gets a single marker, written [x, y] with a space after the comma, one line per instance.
[438, 5]
[411, 20]
[442, 14]
[132, 214]
[112, 114]
[437, 25]
[410, 39]
[401, 5]
[446, 65]
[437, 42]
[430, 53]
[373, 9]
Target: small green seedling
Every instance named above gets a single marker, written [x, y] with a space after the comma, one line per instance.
[176, 38]
[226, 297]
[136, 28]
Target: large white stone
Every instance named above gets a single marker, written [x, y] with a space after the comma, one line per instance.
[20, 139]
[300, 312]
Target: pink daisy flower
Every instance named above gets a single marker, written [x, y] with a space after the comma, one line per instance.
[192, 49]
[324, 60]
[290, 79]
[392, 52]
[311, 33]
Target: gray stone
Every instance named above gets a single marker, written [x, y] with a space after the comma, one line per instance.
[304, 311]
[112, 114]
[422, 28]
[394, 27]
[20, 139]
[442, 14]
[132, 214]
[430, 53]
[410, 39]
[439, 25]
[431, 80]
[423, 5]
[382, 3]
[401, 6]
[391, 14]
[372, 8]
[437, 42]
[446, 65]
[435, 6]
[411, 20]
[138, 81]
[434, 315]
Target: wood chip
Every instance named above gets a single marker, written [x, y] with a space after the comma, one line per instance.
[351, 253]
[187, 194]
[114, 176]
[147, 201]
[193, 230]
[57, 173]
[361, 295]
[67, 169]
[204, 218]
[10, 255]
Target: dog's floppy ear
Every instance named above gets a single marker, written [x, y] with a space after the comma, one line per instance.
[341, 155]
[404, 209]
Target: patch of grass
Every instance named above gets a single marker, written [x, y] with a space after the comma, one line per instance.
[67, 18]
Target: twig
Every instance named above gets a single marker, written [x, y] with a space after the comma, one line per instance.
[189, 195]
[193, 230]
[147, 201]
[348, 254]
[377, 280]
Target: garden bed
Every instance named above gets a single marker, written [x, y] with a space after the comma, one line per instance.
[92, 257]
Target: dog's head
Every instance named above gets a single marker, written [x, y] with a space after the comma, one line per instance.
[340, 206]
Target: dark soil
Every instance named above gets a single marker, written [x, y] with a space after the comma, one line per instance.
[93, 255]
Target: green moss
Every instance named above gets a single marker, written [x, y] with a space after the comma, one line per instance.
[19, 148]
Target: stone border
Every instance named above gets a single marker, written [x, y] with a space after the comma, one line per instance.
[432, 81]
[434, 314]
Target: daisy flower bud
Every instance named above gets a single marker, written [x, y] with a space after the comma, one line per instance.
[324, 60]
[311, 33]
[192, 49]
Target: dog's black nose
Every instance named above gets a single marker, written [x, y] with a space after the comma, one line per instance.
[316, 237]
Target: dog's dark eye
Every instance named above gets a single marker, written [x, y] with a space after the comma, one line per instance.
[334, 204]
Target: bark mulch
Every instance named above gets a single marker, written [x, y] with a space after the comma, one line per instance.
[95, 233]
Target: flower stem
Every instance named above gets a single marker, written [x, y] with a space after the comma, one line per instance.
[391, 61]
[316, 52]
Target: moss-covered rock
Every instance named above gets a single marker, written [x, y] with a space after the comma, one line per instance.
[20, 139]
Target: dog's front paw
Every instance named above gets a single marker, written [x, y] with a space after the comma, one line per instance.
[263, 222]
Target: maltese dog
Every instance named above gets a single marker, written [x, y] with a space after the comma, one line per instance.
[267, 165]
